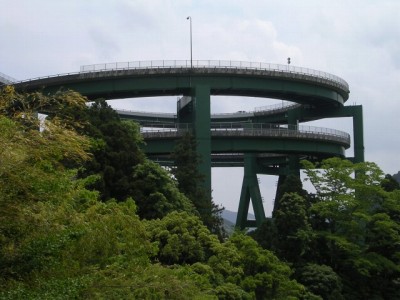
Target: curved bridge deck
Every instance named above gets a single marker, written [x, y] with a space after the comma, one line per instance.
[240, 116]
[251, 137]
[251, 130]
[157, 78]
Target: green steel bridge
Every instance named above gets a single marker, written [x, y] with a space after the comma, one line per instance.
[266, 141]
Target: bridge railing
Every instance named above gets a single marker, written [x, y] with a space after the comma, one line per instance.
[235, 66]
[268, 109]
[165, 127]
[277, 106]
[139, 112]
[220, 64]
[248, 129]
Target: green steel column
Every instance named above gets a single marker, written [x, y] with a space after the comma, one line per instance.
[281, 180]
[293, 166]
[293, 160]
[358, 132]
[250, 190]
[244, 203]
[356, 113]
[293, 116]
[202, 125]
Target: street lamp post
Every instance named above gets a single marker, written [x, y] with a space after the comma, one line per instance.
[191, 52]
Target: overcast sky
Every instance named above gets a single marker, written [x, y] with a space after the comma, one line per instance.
[358, 40]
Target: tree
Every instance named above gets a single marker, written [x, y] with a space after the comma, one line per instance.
[397, 177]
[291, 184]
[321, 280]
[288, 233]
[264, 275]
[56, 238]
[155, 192]
[265, 235]
[358, 230]
[190, 182]
[390, 184]
[34, 184]
[181, 239]
[293, 231]
[236, 267]
[115, 147]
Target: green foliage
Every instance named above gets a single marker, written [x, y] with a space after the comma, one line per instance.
[291, 184]
[357, 227]
[265, 277]
[152, 282]
[32, 173]
[57, 240]
[181, 238]
[265, 234]
[390, 184]
[288, 233]
[67, 288]
[186, 162]
[25, 106]
[321, 280]
[156, 193]
[396, 177]
[237, 269]
[115, 147]
[344, 241]
[230, 291]
[293, 230]
[191, 183]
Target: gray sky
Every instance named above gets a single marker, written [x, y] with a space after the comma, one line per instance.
[358, 40]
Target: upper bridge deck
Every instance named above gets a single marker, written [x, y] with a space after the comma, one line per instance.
[176, 77]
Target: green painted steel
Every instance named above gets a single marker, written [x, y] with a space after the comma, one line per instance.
[355, 112]
[115, 85]
[202, 123]
[239, 144]
[321, 95]
[250, 191]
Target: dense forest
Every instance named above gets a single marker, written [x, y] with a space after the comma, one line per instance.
[85, 215]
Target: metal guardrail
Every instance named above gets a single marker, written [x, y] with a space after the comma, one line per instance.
[249, 129]
[213, 64]
[278, 106]
[145, 113]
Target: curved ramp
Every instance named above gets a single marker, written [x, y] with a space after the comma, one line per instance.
[163, 78]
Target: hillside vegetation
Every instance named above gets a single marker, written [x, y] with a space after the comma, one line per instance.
[85, 215]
